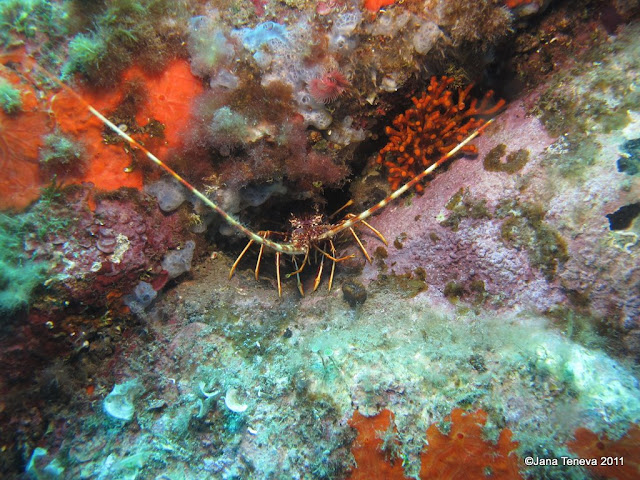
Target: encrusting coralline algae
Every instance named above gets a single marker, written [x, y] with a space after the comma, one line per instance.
[483, 324]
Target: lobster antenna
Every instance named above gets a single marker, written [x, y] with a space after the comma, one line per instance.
[383, 203]
[287, 248]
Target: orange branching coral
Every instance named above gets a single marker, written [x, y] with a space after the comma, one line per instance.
[619, 459]
[372, 462]
[465, 454]
[431, 128]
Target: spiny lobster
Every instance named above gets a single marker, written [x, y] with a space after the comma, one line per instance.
[307, 234]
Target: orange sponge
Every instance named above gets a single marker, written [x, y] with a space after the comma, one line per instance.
[169, 96]
[372, 462]
[375, 5]
[169, 100]
[20, 140]
[623, 455]
[465, 454]
[106, 164]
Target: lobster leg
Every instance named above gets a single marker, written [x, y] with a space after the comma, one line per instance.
[364, 250]
[333, 265]
[378, 234]
[298, 270]
[316, 282]
[257, 271]
[370, 227]
[297, 273]
[235, 264]
[263, 234]
[333, 258]
[278, 274]
[348, 204]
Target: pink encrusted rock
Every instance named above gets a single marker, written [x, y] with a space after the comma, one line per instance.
[475, 252]
[108, 249]
[595, 271]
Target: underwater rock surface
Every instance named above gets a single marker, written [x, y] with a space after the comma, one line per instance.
[144, 334]
[536, 238]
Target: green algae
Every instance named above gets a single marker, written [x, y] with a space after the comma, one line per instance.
[380, 253]
[253, 336]
[494, 155]
[629, 162]
[516, 161]
[22, 273]
[60, 150]
[10, 98]
[87, 53]
[524, 227]
[21, 19]
[512, 163]
[406, 285]
[354, 293]
[463, 205]
[473, 292]
[600, 104]
[577, 324]
[454, 291]
[573, 157]
[109, 38]
[584, 100]
[398, 242]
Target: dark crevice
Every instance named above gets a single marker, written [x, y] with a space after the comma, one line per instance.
[622, 218]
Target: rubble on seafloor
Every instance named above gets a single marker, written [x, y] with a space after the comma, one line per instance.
[500, 322]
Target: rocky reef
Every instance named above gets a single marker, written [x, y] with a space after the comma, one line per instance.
[162, 160]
